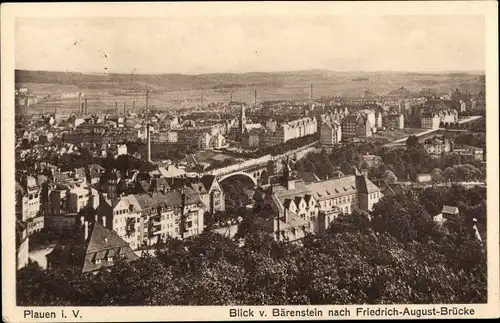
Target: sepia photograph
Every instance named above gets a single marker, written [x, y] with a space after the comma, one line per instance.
[248, 159]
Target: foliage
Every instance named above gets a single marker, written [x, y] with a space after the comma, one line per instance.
[404, 164]
[399, 256]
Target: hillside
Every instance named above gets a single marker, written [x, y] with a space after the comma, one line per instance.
[178, 90]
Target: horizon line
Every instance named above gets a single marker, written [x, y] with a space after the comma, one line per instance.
[472, 72]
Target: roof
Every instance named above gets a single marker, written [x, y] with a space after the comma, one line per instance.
[102, 238]
[171, 171]
[450, 209]
[208, 181]
[308, 177]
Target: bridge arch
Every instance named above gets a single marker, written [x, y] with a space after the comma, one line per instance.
[224, 177]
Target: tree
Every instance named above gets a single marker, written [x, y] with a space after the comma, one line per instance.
[412, 142]
[389, 177]
[437, 175]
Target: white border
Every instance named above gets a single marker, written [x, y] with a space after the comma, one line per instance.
[488, 9]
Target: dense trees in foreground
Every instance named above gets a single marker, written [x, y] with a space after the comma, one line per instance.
[396, 254]
[405, 164]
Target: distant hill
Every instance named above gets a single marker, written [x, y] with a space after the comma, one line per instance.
[273, 83]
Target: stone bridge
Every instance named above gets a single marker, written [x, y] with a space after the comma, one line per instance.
[258, 169]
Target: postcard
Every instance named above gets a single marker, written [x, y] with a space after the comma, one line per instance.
[210, 161]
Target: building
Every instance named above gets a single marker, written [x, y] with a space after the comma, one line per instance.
[356, 126]
[121, 150]
[448, 117]
[330, 134]
[27, 198]
[446, 213]
[320, 202]
[28, 207]
[208, 189]
[299, 128]
[370, 115]
[394, 121]
[476, 152]
[424, 178]
[286, 226]
[145, 219]
[81, 196]
[275, 134]
[99, 248]
[371, 161]
[252, 138]
[429, 121]
[204, 140]
[462, 106]
[438, 146]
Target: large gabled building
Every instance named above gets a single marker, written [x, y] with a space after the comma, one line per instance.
[99, 248]
[319, 203]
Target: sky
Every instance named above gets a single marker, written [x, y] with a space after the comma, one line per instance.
[251, 44]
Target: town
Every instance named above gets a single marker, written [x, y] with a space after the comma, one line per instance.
[98, 187]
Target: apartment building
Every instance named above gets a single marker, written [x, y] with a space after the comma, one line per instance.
[145, 219]
[429, 121]
[356, 126]
[394, 121]
[330, 134]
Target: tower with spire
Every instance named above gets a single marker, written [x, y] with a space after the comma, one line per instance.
[243, 118]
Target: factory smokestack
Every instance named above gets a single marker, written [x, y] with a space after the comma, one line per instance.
[116, 108]
[255, 97]
[133, 105]
[124, 109]
[148, 134]
[147, 99]
[311, 92]
[86, 107]
[80, 102]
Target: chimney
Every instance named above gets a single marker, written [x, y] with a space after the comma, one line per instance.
[104, 221]
[133, 105]
[124, 109]
[147, 99]
[86, 230]
[86, 107]
[255, 97]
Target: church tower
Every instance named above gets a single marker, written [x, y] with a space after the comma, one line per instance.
[288, 180]
[243, 119]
